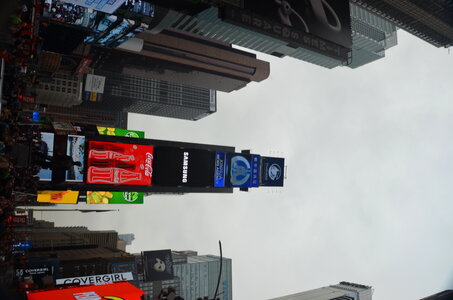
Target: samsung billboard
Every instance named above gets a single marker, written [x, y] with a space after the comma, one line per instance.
[183, 167]
[323, 26]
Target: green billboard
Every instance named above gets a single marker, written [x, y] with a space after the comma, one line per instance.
[114, 197]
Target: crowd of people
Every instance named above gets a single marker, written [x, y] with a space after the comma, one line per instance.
[18, 182]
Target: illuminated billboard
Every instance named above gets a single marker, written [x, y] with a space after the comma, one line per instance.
[98, 197]
[119, 163]
[158, 265]
[272, 169]
[323, 26]
[117, 291]
[243, 170]
[175, 166]
[60, 197]
[45, 152]
[75, 148]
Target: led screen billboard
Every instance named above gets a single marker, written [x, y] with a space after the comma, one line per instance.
[98, 197]
[183, 167]
[243, 170]
[46, 146]
[119, 163]
[75, 148]
[108, 6]
[120, 132]
[272, 169]
[158, 265]
[323, 26]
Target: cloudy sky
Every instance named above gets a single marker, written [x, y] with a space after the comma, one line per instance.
[368, 194]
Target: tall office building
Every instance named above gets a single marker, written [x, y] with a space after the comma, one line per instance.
[195, 276]
[137, 94]
[431, 20]
[371, 35]
[341, 291]
[199, 276]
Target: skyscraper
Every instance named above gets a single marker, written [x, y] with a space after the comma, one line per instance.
[431, 20]
[137, 94]
[371, 36]
[199, 276]
[342, 291]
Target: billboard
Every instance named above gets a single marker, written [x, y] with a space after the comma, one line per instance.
[183, 167]
[323, 26]
[220, 169]
[98, 197]
[119, 163]
[97, 279]
[115, 291]
[272, 171]
[15, 220]
[46, 150]
[61, 197]
[158, 265]
[120, 132]
[75, 148]
[243, 170]
[107, 6]
[64, 12]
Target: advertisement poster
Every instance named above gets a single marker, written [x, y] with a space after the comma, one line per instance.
[61, 11]
[61, 197]
[46, 150]
[183, 167]
[98, 197]
[158, 265]
[75, 149]
[119, 163]
[243, 170]
[328, 19]
[113, 291]
[96, 279]
[121, 132]
[272, 169]
[107, 6]
[220, 169]
[323, 26]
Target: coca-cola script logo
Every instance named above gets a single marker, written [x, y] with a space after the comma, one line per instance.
[148, 164]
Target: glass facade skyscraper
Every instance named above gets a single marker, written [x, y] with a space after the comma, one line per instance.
[149, 96]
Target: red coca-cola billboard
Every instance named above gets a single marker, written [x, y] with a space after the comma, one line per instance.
[119, 163]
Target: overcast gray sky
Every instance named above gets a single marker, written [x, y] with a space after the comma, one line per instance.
[368, 195]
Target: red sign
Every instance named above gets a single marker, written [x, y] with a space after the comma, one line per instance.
[27, 99]
[115, 291]
[83, 65]
[17, 220]
[118, 163]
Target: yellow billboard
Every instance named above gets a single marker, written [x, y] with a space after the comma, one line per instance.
[64, 197]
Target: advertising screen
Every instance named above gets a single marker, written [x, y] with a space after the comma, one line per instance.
[76, 149]
[119, 163]
[323, 26]
[220, 169]
[116, 291]
[64, 12]
[107, 6]
[98, 197]
[243, 170]
[46, 151]
[120, 132]
[272, 171]
[158, 265]
[183, 167]
[61, 197]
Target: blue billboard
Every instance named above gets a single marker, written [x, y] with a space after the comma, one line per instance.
[242, 170]
[272, 171]
[220, 169]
